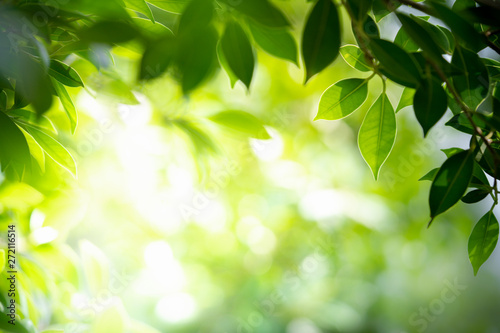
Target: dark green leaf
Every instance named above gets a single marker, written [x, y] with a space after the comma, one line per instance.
[238, 52]
[242, 122]
[473, 84]
[355, 57]
[3, 100]
[276, 41]
[321, 37]
[380, 10]
[196, 16]
[429, 103]
[64, 74]
[450, 182]
[14, 150]
[109, 32]
[156, 58]
[460, 27]
[483, 240]
[396, 62]
[342, 98]
[461, 122]
[475, 196]
[493, 68]
[377, 134]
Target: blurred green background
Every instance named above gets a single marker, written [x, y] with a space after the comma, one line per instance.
[178, 225]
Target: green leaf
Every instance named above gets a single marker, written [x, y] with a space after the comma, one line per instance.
[238, 52]
[475, 196]
[109, 32]
[380, 10]
[68, 105]
[27, 116]
[196, 16]
[14, 149]
[202, 143]
[406, 99]
[399, 66]
[342, 98]
[223, 63]
[403, 39]
[355, 57]
[242, 122]
[157, 58]
[3, 100]
[483, 240]
[460, 27]
[153, 31]
[261, 11]
[421, 36]
[2, 260]
[64, 74]
[429, 103]
[377, 134]
[140, 6]
[174, 6]
[473, 84]
[276, 41]
[430, 175]
[108, 85]
[450, 182]
[53, 148]
[321, 37]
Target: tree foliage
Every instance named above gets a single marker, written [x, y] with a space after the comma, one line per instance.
[438, 64]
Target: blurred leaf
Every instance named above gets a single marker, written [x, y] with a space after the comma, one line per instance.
[68, 105]
[396, 62]
[377, 134]
[2, 260]
[430, 175]
[202, 143]
[14, 150]
[342, 98]
[429, 103]
[276, 41]
[95, 266]
[52, 331]
[153, 31]
[37, 153]
[360, 8]
[473, 84]
[483, 240]
[174, 6]
[238, 52]
[157, 57]
[450, 182]
[261, 11]
[321, 37]
[475, 196]
[3, 100]
[140, 6]
[64, 74]
[19, 196]
[493, 68]
[355, 58]
[53, 148]
[243, 122]
[113, 319]
[406, 99]
[109, 32]
[113, 87]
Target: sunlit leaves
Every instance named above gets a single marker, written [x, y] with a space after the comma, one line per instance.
[429, 103]
[175, 6]
[238, 52]
[342, 98]
[68, 105]
[483, 240]
[321, 37]
[53, 148]
[14, 150]
[406, 99]
[377, 133]
[276, 41]
[396, 63]
[450, 182]
[140, 6]
[242, 122]
[64, 74]
[473, 83]
[355, 57]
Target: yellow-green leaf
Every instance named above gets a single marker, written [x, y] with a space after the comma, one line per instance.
[342, 98]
